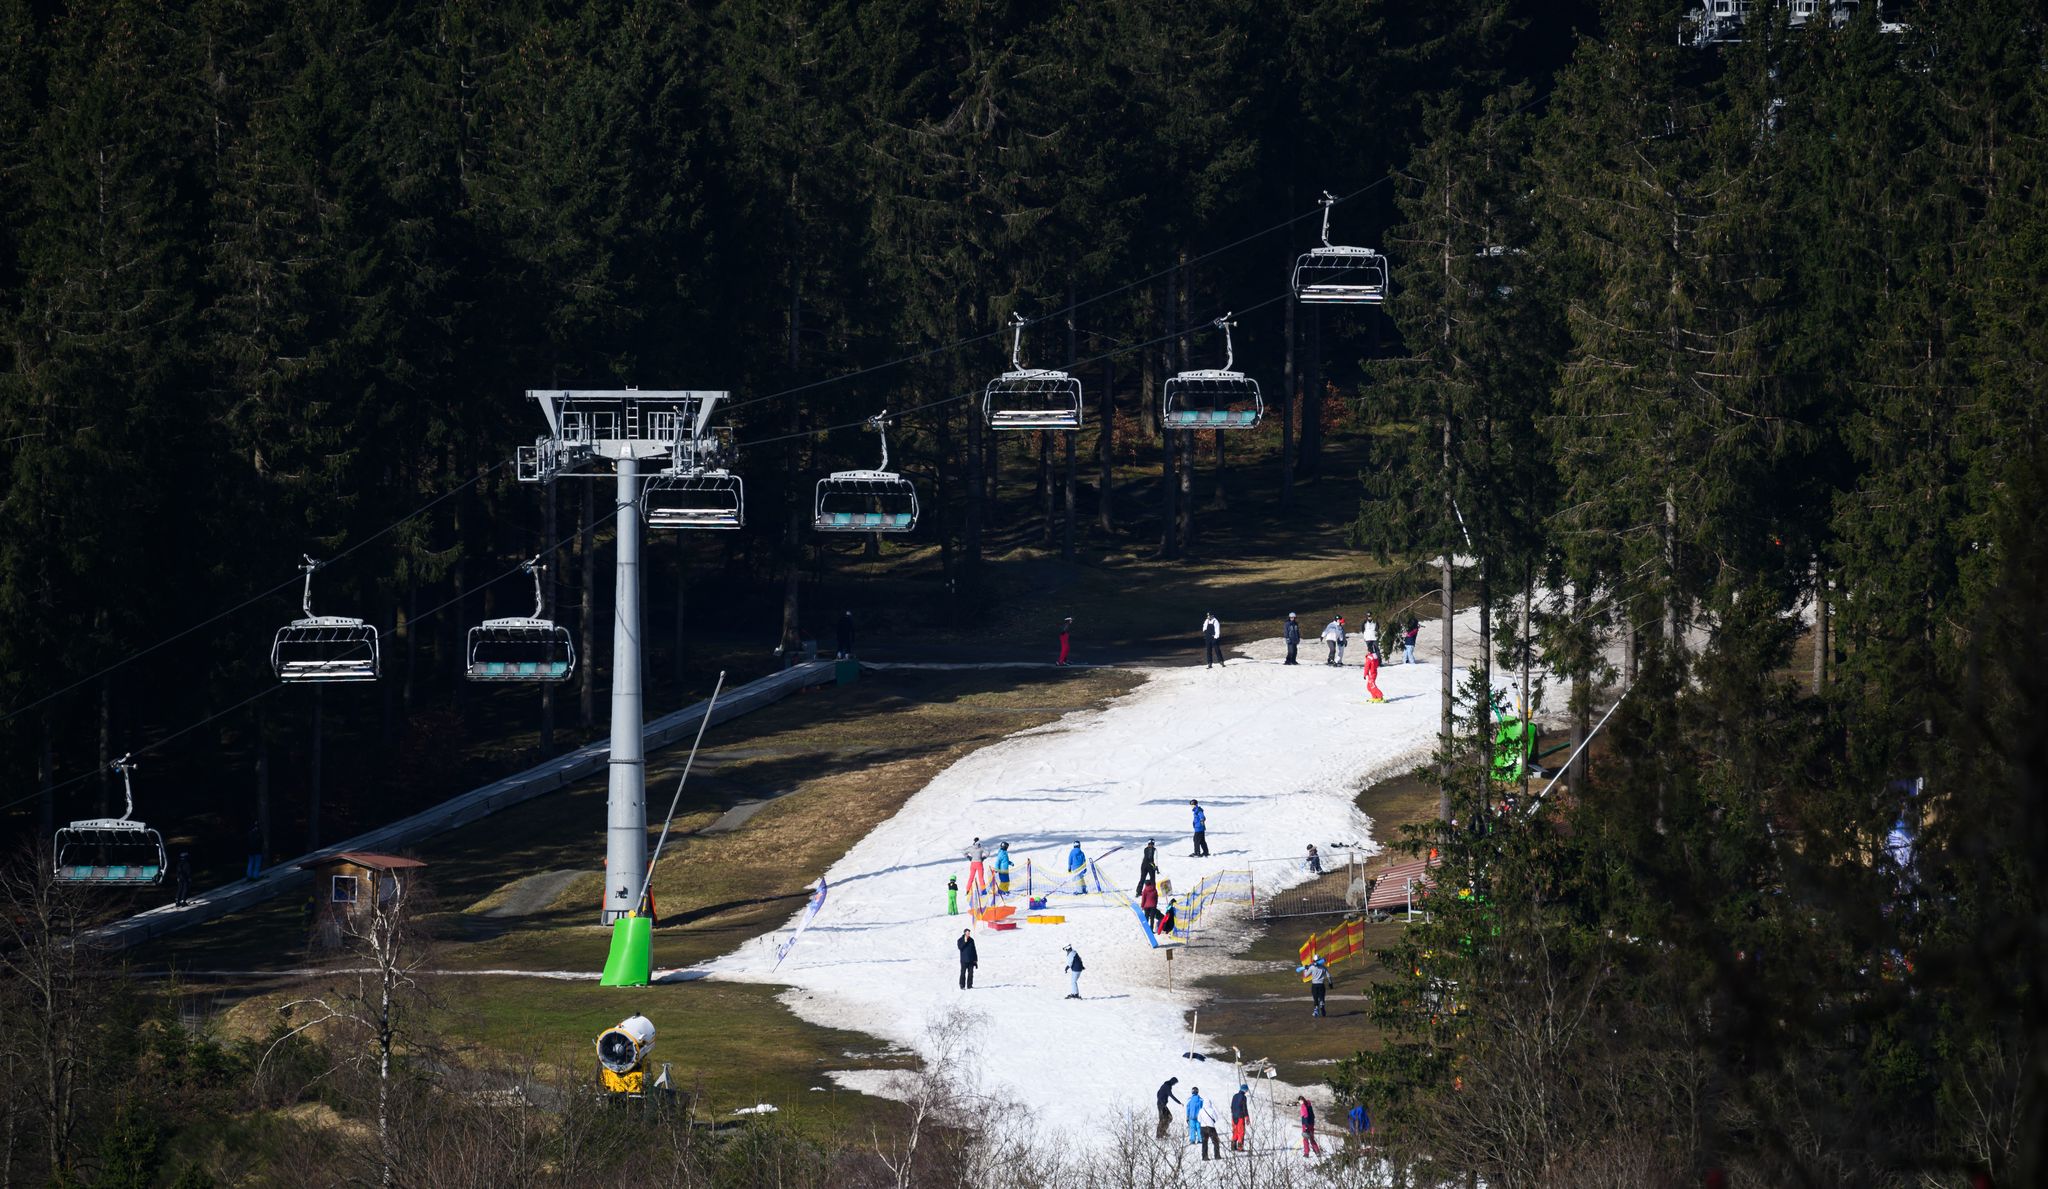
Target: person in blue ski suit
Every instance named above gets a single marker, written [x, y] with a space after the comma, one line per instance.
[1194, 1114]
[1077, 868]
[1002, 866]
[1201, 831]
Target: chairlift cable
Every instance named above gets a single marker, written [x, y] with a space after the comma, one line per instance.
[251, 600]
[947, 400]
[275, 686]
[1071, 308]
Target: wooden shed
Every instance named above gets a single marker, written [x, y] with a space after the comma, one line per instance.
[356, 879]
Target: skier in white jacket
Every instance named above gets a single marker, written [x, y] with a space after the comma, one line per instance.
[1371, 632]
[1212, 640]
[1333, 635]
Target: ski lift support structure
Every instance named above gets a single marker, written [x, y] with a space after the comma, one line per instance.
[111, 851]
[876, 501]
[323, 647]
[1338, 275]
[1216, 398]
[592, 433]
[1030, 397]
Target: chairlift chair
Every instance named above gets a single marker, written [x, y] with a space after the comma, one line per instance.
[877, 501]
[111, 851]
[324, 647]
[1336, 275]
[522, 648]
[1029, 397]
[692, 498]
[1216, 398]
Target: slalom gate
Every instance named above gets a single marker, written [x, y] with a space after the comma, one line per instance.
[1334, 945]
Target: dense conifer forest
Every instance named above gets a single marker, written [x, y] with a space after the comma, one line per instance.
[1713, 374]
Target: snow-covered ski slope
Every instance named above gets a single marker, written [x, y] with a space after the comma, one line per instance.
[1276, 755]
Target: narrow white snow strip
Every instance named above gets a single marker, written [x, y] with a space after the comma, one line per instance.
[1276, 755]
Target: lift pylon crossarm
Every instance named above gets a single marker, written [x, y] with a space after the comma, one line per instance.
[110, 851]
[1335, 274]
[323, 647]
[867, 501]
[1031, 398]
[1216, 398]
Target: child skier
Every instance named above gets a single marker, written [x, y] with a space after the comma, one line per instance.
[1372, 676]
[1318, 973]
[1308, 1129]
[1148, 899]
[1066, 633]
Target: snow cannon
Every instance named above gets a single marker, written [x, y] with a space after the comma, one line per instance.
[622, 1052]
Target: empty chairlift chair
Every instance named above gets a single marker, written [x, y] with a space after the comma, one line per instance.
[877, 501]
[522, 648]
[1336, 275]
[695, 498]
[1216, 398]
[324, 647]
[1029, 397]
[111, 851]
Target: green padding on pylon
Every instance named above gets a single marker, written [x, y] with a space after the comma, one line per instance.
[631, 963]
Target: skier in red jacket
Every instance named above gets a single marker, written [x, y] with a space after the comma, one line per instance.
[1372, 676]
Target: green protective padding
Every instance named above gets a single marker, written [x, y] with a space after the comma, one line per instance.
[1512, 741]
[845, 672]
[631, 963]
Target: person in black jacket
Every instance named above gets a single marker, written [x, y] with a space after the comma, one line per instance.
[969, 959]
[1148, 867]
[1166, 1095]
[845, 641]
[1293, 636]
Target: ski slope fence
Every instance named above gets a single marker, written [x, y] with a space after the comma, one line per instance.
[557, 773]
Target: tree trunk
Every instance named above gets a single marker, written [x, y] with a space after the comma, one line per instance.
[1045, 487]
[549, 556]
[793, 523]
[46, 779]
[412, 644]
[1169, 478]
[1582, 696]
[1067, 536]
[313, 792]
[677, 665]
[586, 548]
[263, 785]
[1105, 446]
[1820, 626]
[1186, 502]
[106, 716]
[970, 531]
[1073, 363]
[1312, 400]
[1446, 726]
[1528, 709]
[1287, 407]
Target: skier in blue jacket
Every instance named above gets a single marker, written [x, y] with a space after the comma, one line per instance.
[1077, 867]
[1201, 831]
[1002, 866]
[1194, 1114]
